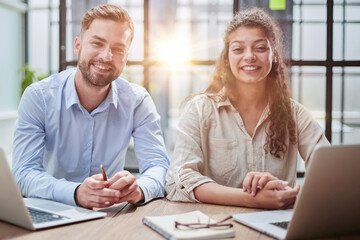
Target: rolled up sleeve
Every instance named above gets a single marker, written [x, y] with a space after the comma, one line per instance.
[187, 161]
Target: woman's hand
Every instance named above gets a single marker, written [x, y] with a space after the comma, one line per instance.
[276, 195]
[255, 181]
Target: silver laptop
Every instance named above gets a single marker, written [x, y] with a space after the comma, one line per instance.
[328, 203]
[35, 213]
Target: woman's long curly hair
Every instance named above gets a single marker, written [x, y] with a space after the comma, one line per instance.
[282, 124]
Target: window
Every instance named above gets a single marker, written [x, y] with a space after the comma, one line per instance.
[11, 61]
[328, 63]
[321, 39]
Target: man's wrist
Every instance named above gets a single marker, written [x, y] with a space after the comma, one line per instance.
[75, 196]
[142, 197]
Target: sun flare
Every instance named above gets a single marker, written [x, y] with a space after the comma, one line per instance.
[173, 52]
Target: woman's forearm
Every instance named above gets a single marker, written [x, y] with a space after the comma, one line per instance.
[273, 196]
[218, 194]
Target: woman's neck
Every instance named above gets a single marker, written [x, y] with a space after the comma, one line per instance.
[249, 100]
[247, 97]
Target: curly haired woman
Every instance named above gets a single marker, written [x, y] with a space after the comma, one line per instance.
[237, 143]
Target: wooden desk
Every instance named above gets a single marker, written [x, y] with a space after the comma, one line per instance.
[124, 221]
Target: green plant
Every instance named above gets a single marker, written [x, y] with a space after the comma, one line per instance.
[30, 76]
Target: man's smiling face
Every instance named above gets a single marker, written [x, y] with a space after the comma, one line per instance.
[103, 51]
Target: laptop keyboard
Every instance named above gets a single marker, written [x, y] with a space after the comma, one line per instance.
[281, 224]
[39, 216]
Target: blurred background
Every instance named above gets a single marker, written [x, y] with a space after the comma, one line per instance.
[174, 50]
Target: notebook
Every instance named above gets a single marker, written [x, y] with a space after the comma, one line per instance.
[35, 213]
[328, 203]
[165, 225]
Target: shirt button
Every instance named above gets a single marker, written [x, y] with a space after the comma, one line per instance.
[89, 144]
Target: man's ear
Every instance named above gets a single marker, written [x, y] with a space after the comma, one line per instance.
[77, 45]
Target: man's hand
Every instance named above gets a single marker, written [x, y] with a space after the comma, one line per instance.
[276, 195]
[125, 183]
[255, 181]
[93, 192]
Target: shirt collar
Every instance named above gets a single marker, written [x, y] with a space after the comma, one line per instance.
[221, 100]
[72, 98]
[111, 98]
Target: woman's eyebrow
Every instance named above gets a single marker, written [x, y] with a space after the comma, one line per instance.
[256, 41]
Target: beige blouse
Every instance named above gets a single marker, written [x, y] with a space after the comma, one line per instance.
[212, 145]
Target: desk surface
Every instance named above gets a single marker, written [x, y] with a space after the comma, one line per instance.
[124, 221]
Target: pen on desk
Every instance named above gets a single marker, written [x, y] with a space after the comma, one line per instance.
[103, 173]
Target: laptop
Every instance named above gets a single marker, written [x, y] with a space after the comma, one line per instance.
[35, 213]
[328, 203]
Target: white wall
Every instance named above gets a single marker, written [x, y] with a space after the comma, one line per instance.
[11, 60]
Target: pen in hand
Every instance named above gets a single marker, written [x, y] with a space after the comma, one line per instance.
[103, 173]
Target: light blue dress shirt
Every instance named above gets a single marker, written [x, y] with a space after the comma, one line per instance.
[57, 143]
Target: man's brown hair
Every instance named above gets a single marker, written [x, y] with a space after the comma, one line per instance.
[106, 11]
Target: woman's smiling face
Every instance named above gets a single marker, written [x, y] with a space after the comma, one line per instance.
[250, 55]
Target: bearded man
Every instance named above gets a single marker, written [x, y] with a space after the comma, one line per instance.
[73, 121]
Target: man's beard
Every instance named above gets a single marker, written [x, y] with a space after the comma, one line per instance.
[93, 79]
